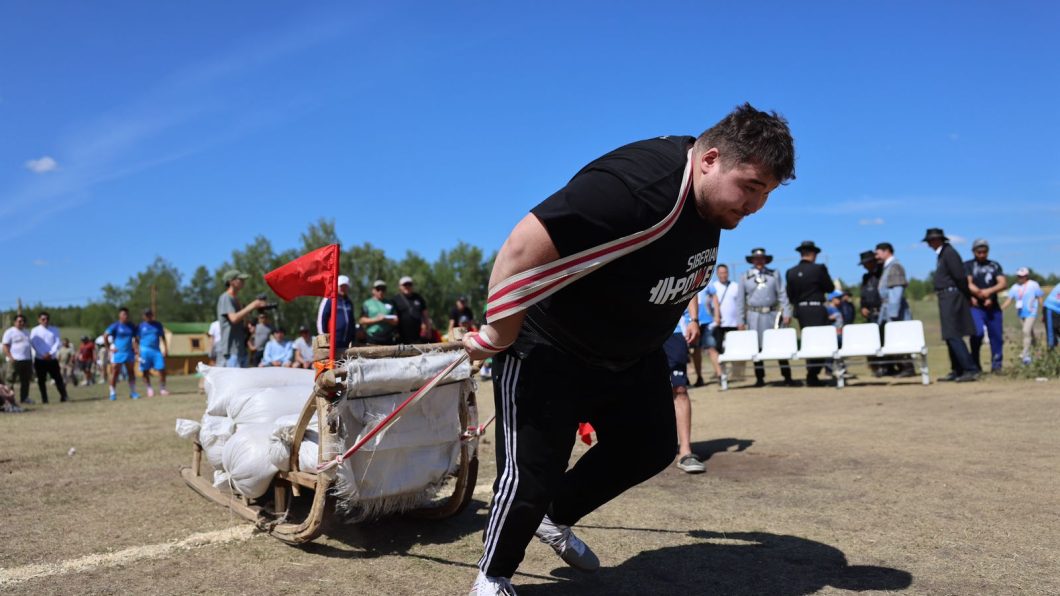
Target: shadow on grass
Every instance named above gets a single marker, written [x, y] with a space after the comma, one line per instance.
[732, 563]
[706, 449]
[397, 534]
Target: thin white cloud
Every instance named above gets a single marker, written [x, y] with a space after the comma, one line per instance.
[858, 206]
[955, 239]
[40, 263]
[113, 145]
[42, 165]
[871, 221]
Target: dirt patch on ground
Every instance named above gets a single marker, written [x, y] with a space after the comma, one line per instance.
[945, 489]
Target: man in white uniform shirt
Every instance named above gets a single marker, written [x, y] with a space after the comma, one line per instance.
[46, 342]
[19, 356]
[728, 306]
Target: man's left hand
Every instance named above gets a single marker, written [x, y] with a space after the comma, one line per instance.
[692, 334]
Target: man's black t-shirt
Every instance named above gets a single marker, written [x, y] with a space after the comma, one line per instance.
[410, 315]
[626, 309]
[455, 314]
[870, 290]
[984, 275]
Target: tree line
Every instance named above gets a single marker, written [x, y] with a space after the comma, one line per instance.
[460, 271]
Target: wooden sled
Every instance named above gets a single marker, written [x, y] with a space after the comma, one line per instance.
[300, 499]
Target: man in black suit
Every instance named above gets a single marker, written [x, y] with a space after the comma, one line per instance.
[955, 313]
[807, 284]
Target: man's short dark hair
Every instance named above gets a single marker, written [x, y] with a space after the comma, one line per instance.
[43, 313]
[748, 135]
[720, 265]
[885, 246]
[20, 316]
[124, 310]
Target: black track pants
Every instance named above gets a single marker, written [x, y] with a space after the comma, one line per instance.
[540, 400]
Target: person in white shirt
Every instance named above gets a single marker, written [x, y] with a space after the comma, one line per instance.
[303, 348]
[215, 339]
[19, 355]
[728, 306]
[1028, 297]
[46, 342]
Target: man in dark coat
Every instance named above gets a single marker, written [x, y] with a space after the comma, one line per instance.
[955, 313]
[871, 301]
[808, 283]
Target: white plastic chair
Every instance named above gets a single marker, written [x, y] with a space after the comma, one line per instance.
[819, 342]
[778, 344]
[862, 339]
[740, 346]
[906, 338]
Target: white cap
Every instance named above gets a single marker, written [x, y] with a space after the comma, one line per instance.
[405, 280]
[344, 280]
[1023, 271]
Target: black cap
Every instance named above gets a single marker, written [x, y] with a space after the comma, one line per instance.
[935, 233]
[806, 246]
[148, 311]
[759, 252]
[866, 256]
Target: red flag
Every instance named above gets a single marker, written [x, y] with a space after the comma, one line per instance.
[312, 274]
[585, 431]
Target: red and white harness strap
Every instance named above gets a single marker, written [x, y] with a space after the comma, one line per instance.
[525, 289]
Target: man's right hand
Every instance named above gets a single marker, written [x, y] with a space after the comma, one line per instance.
[257, 303]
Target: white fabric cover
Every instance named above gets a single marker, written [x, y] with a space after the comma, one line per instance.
[246, 459]
[221, 384]
[382, 376]
[414, 454]
[213, 432]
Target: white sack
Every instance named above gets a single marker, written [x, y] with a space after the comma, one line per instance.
[245, 459]
[263, 405]
[283, 436]
[187, 429]
[221, 383]
[379, 376]
[213, 433]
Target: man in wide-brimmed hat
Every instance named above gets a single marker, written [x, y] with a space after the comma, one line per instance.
[808, 283]
[871, 299]
[955, 315]
[765, 305]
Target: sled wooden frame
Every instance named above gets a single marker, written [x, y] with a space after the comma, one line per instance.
[295, 484]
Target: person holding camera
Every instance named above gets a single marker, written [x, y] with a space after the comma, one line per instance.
[232, 350]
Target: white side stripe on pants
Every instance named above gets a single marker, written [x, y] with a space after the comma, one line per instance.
[502, 501]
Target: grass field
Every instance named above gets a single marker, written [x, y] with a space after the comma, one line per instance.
[945, 489]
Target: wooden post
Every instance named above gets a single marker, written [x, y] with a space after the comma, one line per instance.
[154, 300]
[19, 306]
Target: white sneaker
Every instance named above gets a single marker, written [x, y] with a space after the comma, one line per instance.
[150, 391]
[573, 551]
[491, 586]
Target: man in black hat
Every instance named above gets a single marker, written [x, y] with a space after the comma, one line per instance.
[808, 283]
[765, 306]
[955, 315]
[871, 300]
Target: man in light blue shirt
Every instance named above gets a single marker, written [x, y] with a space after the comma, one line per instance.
[278, 352]
[153, 351]
[121, 337]
[1027, 295]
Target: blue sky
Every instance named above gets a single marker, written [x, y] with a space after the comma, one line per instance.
[130, 130]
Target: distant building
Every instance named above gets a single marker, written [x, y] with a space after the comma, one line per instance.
[189, 344]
